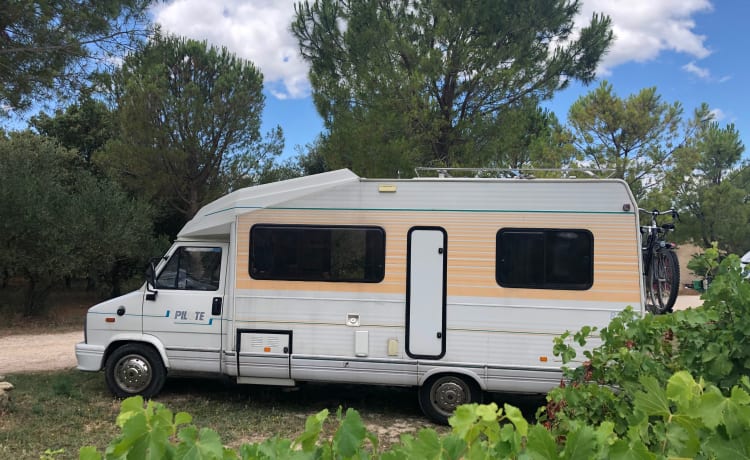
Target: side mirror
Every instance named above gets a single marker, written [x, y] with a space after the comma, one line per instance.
[151, 279]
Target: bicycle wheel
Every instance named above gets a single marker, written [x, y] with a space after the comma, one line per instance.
[664, 281]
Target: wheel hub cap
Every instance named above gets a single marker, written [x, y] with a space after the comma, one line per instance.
[133, 374]
[449, 396]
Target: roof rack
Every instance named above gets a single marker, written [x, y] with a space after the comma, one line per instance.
[516, 173]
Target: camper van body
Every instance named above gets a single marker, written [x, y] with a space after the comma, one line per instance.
[452, 285]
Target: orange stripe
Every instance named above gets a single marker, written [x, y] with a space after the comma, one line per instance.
[471, 251]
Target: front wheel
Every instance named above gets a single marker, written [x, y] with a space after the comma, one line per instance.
[663, 282]
[135, 369]
[441, 395]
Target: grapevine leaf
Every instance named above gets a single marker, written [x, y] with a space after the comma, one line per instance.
[736, 449]
[182, 418]
[654, 402]
[350, 434]
[313, 427]
[278, 449]
[134, 429]
[129, 407]
[463, 420]
[487, 412]
[540, 444]
[682, 389]
[709, 408]
[733, 412]
[580, 444]
[740, 396]
[682, 442]
[89, 453]
[426, 445]
[454, 447]
[605, 433]
[736, 417]
[517, 418]
[634, 450]
[198, 445]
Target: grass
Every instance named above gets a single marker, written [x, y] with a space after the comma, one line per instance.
[70, 409]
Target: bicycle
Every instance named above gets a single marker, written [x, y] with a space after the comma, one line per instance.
[661, 270]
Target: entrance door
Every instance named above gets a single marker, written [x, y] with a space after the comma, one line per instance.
[185, 316]
[425, 292]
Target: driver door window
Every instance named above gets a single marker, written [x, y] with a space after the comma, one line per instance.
[192, 268]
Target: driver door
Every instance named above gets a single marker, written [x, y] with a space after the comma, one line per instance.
[186, 314]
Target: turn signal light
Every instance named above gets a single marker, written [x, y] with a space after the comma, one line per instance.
[109, 320]
[543, 359]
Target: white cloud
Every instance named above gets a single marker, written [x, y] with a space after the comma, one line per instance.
[645, 28]
[718, 114]
[699, 72]
[257, 30]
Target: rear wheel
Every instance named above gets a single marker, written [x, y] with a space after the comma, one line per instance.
[663, 282]
[440, 395]
[135, 369]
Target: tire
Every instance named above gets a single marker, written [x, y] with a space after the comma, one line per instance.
[664, 282]
[441, 394]
[135, 369]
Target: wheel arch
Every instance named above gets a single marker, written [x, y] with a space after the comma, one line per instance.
[440, 371]
[148, 340]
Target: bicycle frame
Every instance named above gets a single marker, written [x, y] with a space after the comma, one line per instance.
[653, 244]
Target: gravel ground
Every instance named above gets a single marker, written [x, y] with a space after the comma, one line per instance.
[46, 352]
[38, 352]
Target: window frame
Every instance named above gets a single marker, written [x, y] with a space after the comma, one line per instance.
[178, 252]
[545, 284]
[251, 254]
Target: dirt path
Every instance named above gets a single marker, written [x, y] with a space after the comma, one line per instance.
[38, 352]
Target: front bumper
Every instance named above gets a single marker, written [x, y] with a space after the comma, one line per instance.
[89, 357]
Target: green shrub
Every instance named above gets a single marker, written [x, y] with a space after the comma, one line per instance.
[638, 355]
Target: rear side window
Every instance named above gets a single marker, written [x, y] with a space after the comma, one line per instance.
[317, 253]
[545, 258]
[193, 269]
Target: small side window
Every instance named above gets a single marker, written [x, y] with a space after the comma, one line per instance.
[545, 259]
[192, 268]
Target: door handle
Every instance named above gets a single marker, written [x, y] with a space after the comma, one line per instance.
[216, 306]
[439, 335]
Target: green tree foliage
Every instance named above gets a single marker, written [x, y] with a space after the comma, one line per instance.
[636, 137]
[188, 119]
[418, 83]
[84, 126]
[710, 185]
[58, 220]
[49, 45]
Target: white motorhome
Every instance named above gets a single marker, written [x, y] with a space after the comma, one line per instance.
[455, 286]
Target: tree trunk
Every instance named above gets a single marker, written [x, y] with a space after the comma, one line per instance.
[36, 293]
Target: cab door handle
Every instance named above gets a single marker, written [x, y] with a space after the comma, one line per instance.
[216, 306]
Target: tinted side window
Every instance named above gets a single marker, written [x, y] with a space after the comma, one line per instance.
[192, 268]
[313, 253]
[545, 259]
